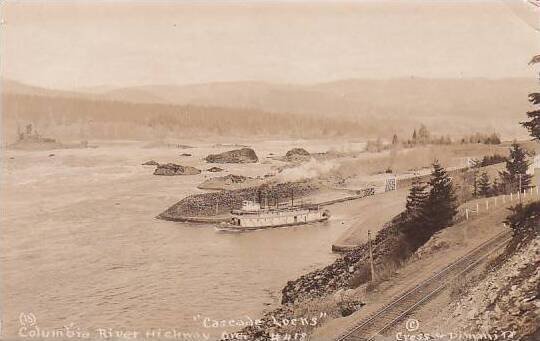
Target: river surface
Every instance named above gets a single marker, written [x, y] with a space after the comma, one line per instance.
[80, 244]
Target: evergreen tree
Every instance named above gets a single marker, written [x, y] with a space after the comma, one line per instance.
[533, 126]
[423, 133]
[484, 188]
[441, 204]
[414, 136]
[416, 200]
[413, 226]
[516, 170]
[496, 187]
[395, 140]
[525, 220]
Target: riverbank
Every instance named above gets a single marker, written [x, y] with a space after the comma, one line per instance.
[442, 249]
[372, 215]
[334, 291]
[339, 289]
[496, 300]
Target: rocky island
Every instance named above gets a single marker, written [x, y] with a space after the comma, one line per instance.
[214, 169]
[170, 169]
[30, 139]
[150, 163]
[297, 155]
[243, 155]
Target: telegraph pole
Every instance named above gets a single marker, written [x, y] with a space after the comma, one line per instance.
[371, 257]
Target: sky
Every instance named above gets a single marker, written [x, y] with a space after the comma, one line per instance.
[74, 44]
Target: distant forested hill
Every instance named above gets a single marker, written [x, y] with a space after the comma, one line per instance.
[80, 118]
[362, 108]
[445, 105]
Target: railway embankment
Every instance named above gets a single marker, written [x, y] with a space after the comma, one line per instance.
[500, 300]
[344, 290]
[440, 251]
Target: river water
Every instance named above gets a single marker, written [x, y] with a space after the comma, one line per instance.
[80, 244]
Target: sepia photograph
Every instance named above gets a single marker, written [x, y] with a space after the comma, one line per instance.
[270, 170]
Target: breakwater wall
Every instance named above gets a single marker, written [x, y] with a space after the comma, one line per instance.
[222, 208]
[216, 206]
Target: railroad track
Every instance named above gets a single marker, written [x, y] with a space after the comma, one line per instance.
[397, 309]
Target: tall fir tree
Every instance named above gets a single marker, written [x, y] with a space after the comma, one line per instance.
[441, 204]
[516, 170]
[416, 199]
[533, 125]
[414, 227]
[484, 186]
[395, 139]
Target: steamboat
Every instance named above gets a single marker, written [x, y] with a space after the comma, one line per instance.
[252, 217]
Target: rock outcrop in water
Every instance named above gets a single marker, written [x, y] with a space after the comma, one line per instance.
[171, 169]
[30, 139]
[214, 169]
[244, 155]
[297, 154]
[151, 163]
